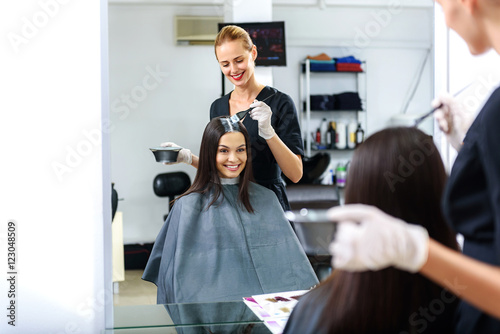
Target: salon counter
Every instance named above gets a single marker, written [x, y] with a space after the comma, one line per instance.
[221, 317]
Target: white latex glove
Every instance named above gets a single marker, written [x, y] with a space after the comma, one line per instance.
[369, 239]
[452, 119]
[262, 114]
[184, 155]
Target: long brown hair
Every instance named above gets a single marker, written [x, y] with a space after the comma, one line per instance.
[400, 171]
[207, 177]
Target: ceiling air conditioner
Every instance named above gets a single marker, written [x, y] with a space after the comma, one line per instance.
[196, 30]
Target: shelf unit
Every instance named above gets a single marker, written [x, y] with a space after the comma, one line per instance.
[342, 81]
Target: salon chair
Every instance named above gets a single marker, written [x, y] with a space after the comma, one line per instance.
[114, 201]
[314, 196]
[313, 169]
[309, 193]
[171, 185]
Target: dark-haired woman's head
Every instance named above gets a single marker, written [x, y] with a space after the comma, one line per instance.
[224, 150]
[400, 171]
[224, 153]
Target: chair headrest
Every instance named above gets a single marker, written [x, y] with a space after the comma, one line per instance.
[171, 184]
[315, 166]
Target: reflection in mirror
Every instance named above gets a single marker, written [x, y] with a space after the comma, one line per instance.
[142, 316]
[161, 91]
[226, 236]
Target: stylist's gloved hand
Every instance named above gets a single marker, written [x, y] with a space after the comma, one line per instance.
[184, 155]
[452, 119]
[262, 114]
[377, 241]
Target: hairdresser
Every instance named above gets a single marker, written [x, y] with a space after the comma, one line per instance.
[275, 136]
[471, 201]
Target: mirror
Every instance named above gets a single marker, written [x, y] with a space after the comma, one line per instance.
[161, 91]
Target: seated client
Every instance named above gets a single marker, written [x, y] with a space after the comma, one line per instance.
[400, 171]
[226, 237]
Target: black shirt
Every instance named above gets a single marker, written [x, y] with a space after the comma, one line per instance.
[285, 122]
[471, 203]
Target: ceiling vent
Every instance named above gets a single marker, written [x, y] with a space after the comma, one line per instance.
[196, 30]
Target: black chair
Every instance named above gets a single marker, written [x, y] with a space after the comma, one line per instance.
[114, 201]
[313, 168]
[171, 185]
[314, 196]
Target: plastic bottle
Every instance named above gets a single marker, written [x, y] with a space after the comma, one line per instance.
[341, 136]
[351, 135]
[328, 179]
[318, 137]
[333, 135]
[360, 135]
[324, 131]
[328, 143]
[341, 175]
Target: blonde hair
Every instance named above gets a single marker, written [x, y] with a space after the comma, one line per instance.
[233, 33]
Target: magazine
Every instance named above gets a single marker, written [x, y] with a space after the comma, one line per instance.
[274, 308]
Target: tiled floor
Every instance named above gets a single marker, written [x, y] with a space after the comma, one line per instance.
[134, 290]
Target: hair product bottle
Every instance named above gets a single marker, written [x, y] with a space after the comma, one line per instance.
[340, 175]
[360, 135]
[341, 136]
[332, 135]
[324, 132]
[351, 135]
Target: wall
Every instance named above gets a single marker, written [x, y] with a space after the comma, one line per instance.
[55, 191]
[175, 108]
[141, 38]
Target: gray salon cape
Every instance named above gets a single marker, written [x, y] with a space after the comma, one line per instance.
[224, 253]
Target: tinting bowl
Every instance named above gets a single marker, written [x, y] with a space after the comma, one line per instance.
[166, 154]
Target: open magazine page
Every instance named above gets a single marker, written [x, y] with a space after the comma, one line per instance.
[274, 308]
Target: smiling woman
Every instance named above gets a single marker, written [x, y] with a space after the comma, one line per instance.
[275, 138]
[231, 155]
[214, 146]
[226, 237]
